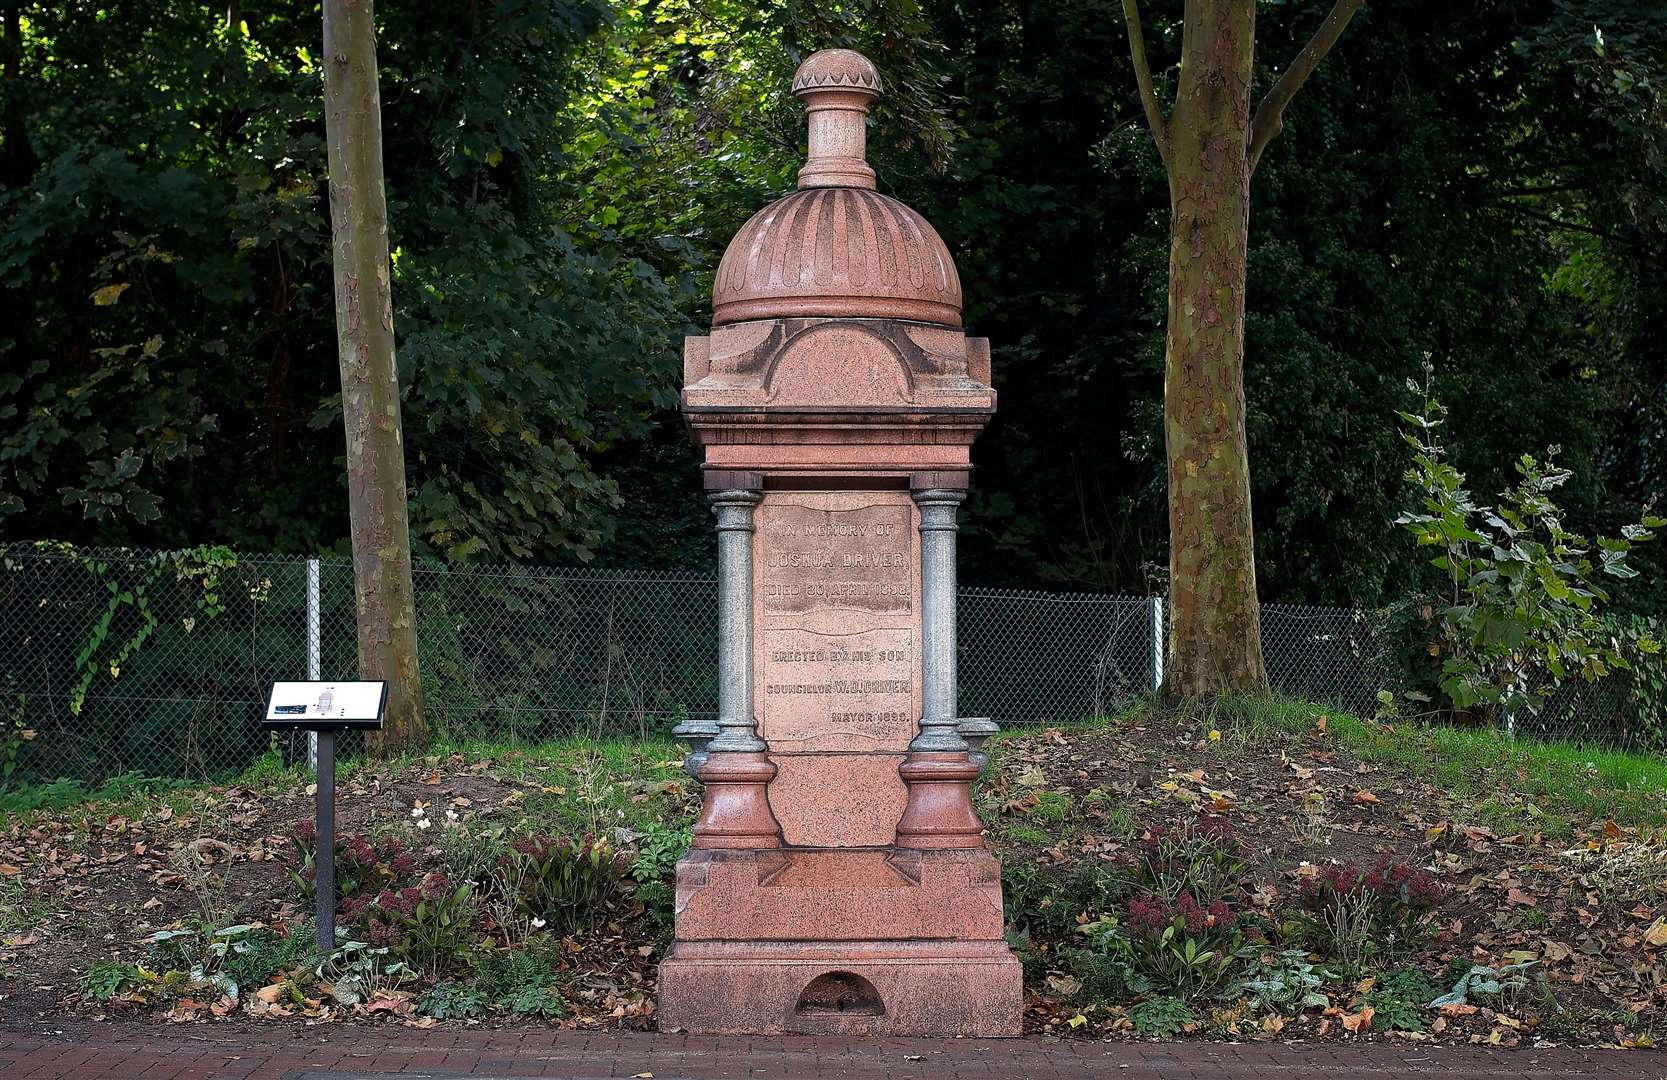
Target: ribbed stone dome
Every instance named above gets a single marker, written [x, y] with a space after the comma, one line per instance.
[841, 252]
[837, 248]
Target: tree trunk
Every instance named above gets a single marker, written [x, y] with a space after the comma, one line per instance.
[1215, 640]
[370, 382]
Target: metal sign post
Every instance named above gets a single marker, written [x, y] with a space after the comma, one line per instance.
[324, 708]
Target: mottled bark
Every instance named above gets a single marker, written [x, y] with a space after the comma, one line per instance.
[370, 382]
[1209, 145]
[1215, 640]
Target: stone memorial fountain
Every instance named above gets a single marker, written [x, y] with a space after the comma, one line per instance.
[838, 880]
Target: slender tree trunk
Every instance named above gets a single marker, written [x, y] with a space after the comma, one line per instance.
[1210, 145]
[370, 381]
[1215, 641]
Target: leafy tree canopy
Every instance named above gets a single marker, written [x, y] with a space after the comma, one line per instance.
[1483, 187]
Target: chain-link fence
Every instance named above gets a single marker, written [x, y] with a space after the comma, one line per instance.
[159, 663]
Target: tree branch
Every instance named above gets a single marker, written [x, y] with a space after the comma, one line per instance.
[1270, 114]
[1143, 76]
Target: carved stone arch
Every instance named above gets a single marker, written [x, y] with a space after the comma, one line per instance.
[839, 363]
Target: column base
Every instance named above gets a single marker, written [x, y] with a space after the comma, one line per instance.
[735, 809]
[939, 813]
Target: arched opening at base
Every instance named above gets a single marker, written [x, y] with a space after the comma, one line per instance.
[840, 992]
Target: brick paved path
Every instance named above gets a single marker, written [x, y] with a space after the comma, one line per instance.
[130, 1052]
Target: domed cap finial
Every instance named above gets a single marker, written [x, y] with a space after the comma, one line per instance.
[837, 86]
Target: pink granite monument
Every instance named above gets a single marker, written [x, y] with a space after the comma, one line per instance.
[838, 879]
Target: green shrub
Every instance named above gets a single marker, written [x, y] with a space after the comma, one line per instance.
[1162, 1017]
[1516, 600]
[1046, 902]
[654, 869]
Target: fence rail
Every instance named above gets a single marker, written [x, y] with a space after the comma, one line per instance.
[159, 662]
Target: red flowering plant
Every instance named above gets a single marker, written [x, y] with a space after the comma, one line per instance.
[1355, 912]
[362, 866]
[1180, 930]
[429, 925]
[1188, 944]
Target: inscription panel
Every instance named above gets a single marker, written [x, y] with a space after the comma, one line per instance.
[837, 635]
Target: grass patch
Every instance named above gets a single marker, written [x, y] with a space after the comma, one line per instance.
[1553, 784]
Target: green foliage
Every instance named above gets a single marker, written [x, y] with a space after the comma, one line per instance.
[1355, 912]
[429, 925]
[1519, 598]
[357, 970]
[110, 979]
[230, 959]
[1486, 982]
[1400, 999]
[525, 981]
[364, 867]
[1203, 858]
[1640, 641]
[1107, 969]
[1162, 1017]
[1286, 982]
[563, 883]
[1047, 902]
[654, 869]
[452, 1001]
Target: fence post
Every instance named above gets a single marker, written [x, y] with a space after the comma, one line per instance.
[313, 649]
[1155, 606]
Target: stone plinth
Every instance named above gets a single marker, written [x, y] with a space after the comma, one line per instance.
[838, 882]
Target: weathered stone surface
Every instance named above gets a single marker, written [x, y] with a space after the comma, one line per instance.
[838, 800]
[847, 894]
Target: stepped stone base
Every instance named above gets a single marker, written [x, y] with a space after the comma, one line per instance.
[852, 941]
[841, 988]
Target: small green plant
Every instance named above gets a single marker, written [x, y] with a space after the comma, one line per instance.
[1184, 945]
[1516, 612]
[1105, 971]
[654, 869]
[109, 979]
[1399, 1000]
[471, 855]
[362, 866]
[1162, 1017]
[1203, 858]
[524, 982]
[1285, 983]
[452, 1001]
[565, 884]
[1481, 980]
[356, 971]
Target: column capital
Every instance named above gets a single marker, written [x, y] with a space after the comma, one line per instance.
[734, 507]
